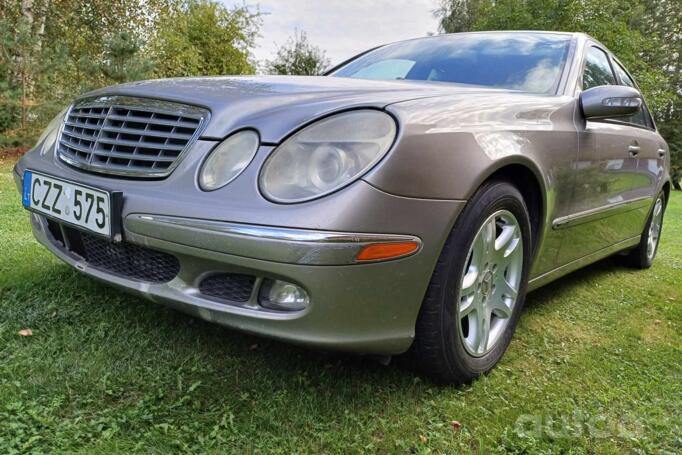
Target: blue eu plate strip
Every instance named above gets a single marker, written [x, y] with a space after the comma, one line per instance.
[26, 194]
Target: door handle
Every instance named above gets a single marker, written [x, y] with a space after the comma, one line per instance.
[661, 153]
[633, 150]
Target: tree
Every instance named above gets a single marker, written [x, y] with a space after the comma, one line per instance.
[645, 34]
[88, 32]
[663, 19]
[26, 65]
[53, 50]
[457, 15]
[202, 37]
[122, 60]
[297, 56]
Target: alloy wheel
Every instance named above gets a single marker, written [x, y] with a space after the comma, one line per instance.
[655, 229]
[490, 283]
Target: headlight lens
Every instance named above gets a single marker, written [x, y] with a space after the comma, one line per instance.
[327, 155]
[49, 135]
[228, 160]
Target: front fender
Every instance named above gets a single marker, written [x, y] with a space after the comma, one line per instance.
[448, 147]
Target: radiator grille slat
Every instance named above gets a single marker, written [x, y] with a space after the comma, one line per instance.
[153, 121]
[81, 135]
[137, 156]
[136, 137]
[163, 145]
[148, 133]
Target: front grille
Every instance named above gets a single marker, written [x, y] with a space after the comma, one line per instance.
[228, 286]
[135, 137]
[122, 259]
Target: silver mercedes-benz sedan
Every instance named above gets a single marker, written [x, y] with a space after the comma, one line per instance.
[405, 202]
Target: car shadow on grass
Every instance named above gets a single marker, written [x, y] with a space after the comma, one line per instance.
[567, 284]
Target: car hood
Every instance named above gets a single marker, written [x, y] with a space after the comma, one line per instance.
[277, 105]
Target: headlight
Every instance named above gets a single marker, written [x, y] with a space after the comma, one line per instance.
[49, 135]
[228, 160]
[327, 155]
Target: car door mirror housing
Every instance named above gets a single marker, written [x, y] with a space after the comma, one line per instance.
[608, 101]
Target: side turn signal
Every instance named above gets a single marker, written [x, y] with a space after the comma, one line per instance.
[383, 251]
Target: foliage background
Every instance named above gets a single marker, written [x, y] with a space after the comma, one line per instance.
[646, 35]
[298, 56]
[103, 373]
[52, 50]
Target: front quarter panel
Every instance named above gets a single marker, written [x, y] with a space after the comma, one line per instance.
[450, 145]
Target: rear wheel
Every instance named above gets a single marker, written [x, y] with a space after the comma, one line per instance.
[477, 290]
[642, 257]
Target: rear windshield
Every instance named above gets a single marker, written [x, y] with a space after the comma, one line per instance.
[529, 62]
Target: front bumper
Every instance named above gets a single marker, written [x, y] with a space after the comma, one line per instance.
[368, 307]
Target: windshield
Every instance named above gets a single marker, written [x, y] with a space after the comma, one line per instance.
[530, 62]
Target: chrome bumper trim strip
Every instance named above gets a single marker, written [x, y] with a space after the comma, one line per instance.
[277, 244]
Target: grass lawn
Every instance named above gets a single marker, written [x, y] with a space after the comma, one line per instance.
[595, 367]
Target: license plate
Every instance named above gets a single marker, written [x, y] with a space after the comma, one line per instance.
[73, 203]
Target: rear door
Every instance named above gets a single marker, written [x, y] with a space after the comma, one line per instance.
[612, 188]
[653, 149]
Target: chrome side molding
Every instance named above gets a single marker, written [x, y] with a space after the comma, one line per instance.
[601, 212]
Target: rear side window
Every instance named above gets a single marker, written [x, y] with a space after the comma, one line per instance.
[597, 69]
[642, 117]
[623, 76]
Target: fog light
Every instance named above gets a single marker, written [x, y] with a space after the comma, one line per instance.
[280, 295]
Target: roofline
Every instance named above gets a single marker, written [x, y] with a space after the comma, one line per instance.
[490, 32]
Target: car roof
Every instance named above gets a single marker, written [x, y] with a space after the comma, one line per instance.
[578, 35]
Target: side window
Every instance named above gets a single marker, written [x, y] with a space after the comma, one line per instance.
[642, 116]
[623, 76]
[597, 69]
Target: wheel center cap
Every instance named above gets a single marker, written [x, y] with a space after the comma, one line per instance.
[487, 283]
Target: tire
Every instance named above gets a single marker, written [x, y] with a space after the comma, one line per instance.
[450, 348]
[643, 255]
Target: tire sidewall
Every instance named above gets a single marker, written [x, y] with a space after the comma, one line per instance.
[648, 261]
[491, 198]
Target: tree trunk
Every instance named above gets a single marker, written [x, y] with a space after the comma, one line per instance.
[27, 11]
[41, 28]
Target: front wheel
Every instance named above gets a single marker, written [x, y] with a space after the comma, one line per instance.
[475, 297]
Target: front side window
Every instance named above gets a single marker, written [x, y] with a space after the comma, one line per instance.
[530, 62]
[597, 69]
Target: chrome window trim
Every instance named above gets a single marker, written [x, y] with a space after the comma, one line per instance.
[132, 102]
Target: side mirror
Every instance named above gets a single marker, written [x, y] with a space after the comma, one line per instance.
[607, 101]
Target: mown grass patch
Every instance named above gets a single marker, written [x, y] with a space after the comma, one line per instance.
[595, 367]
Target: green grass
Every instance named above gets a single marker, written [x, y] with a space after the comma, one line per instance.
[595, 367]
